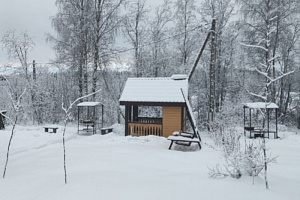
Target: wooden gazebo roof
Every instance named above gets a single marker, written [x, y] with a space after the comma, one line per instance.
[155, 91]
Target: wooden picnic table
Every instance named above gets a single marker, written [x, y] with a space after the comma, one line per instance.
[183, 140]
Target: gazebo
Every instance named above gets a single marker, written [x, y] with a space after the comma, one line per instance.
[164, 93]
[259, 131]
[89, 119]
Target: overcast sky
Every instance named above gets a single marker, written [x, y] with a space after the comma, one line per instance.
[33, 16]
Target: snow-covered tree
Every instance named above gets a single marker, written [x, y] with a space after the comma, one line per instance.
[18, 47]
[135, 30]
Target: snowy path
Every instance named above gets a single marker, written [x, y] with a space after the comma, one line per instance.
[113, 167]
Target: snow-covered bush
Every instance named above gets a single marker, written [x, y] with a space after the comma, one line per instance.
[229, 142]
[253, 161]
[240, 158]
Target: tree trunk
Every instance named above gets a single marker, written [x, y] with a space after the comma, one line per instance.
[9, 143]
[96, 48]
[64, 147]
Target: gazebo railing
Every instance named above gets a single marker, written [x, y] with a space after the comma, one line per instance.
[150, 120]
[144, 129]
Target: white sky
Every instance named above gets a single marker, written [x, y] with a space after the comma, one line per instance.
[33, 16]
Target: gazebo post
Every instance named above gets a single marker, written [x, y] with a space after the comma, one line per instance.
[276, 123]
[250, 122]
[182, 119]
[244, 120]
[250, 117]
[127, 118]
[87, 112]
[102, 112]
[78, 120]
[135, 113]
[94, 121]
[268, 118]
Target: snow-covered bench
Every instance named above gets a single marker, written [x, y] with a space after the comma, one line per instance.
[54, 128]
[106, 130]
[183, 139]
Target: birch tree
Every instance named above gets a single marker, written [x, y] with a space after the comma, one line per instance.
[262, 37]
[135, 30]
[159, 30]
[18, 47]
[106, 21]
[67, 112]
[225, 37]
[71, 43]
[17, 107]
[262, 31]
[185, 21]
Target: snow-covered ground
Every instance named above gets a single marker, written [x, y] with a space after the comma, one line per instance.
[113, 167]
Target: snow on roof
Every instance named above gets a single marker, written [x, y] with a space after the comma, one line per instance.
[179, 76]
[165, 89]
[261, 105]
[89, 104]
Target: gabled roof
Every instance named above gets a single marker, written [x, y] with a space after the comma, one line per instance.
[155, 90]
[260, 105]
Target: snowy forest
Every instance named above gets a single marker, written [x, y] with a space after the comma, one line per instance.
[225, 55]
[252, 54]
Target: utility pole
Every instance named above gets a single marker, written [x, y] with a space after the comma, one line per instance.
[199, 55]
[211, 107]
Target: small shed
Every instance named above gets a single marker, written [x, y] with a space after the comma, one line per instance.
[90, 117]
[248, 119]
[163, 92]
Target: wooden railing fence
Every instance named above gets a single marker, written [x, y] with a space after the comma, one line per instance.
[143, 129]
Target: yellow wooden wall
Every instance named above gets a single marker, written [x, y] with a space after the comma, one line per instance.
[171, 120]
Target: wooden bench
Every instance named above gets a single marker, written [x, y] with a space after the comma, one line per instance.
[50, 127]
[106, 130]
[183, 140]
[263, 133]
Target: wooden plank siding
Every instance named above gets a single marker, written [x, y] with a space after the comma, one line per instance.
[172, 120]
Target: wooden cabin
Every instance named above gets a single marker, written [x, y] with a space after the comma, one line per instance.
[164, 93]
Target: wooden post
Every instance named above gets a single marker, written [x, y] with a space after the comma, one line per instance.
[127, 118]
[268, 116]
[276, 110]
[212, 75]
[182, 119]
[78, 115]
[135, 113]
[102, 112]
[199, 56]
[250, 116]
[1, 122]
[34, 71]
[244, 120]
